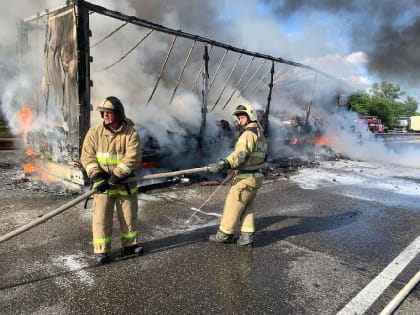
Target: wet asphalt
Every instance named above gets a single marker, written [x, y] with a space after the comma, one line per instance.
[314, 250]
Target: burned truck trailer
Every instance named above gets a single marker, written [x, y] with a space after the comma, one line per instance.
[54, 112]
[54, 108]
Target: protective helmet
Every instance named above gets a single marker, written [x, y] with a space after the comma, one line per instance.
[246, 109]
[112, 104]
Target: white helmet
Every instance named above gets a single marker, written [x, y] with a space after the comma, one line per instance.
[246, 109]
[112, 104]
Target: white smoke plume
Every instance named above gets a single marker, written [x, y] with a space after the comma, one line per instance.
[133, 78]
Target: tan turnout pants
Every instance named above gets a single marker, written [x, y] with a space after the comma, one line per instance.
[239, 205]
[102, 222]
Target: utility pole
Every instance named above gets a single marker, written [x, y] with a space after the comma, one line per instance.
[204, 102]
[83, 69]
[267, 108]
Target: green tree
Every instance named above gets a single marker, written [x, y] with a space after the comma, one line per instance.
[387, 90]
[384, 101]
[383, 108]
[359, 102]
[411, 104]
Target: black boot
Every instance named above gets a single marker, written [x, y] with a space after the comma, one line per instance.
[221, 237]
[245, 239]
[103, 258]
[132, 250]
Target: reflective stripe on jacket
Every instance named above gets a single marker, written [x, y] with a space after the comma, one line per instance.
[113, 152]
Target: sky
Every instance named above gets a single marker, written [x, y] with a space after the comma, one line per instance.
[360, 42]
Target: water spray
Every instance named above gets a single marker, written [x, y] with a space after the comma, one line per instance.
[196, 210]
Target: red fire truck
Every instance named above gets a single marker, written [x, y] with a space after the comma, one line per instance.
[371, 123]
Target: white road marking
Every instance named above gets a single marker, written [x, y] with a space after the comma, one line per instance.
[365, 298]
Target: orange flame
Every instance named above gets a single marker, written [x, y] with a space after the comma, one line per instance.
[30, 151]
[35, 173]
[318, 141]
[26, 119]
[322, 140]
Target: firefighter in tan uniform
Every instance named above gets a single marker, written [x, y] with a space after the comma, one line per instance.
[247, 159]
[111, 153]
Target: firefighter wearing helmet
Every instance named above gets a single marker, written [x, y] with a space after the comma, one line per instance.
[247, 160]
[111, 153]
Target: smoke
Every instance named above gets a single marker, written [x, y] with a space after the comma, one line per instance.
[8, 61]
[395, 52]
[181, 117]
[176, 124]
[385, 31]
[132, 79]
[364, 146]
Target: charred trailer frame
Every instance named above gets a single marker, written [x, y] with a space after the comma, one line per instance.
[67, 75]
[65, 82]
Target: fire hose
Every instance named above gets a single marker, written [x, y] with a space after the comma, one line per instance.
[396, 301]
[89, 193]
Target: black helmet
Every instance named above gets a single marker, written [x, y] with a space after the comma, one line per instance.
[112, 104]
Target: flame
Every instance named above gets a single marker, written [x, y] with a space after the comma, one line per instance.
[318, 141]
[29, 151]
[26, 119]
[322, 140]
[34, 173]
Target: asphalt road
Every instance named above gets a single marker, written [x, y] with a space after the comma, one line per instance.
[316, 249]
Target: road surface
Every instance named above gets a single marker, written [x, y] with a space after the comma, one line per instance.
[339, 237]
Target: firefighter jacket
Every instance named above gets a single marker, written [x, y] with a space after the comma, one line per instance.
[250, 150]
[116, 153]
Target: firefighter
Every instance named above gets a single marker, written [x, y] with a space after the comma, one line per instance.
[111, 153]
[247, 159]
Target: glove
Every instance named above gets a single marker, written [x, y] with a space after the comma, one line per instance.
[221, 165]
[100, 181]
[114, 180]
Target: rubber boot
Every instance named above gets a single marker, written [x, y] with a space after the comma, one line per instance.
[132, 250]
[245, 239]
[221, 237]
[103, 258]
